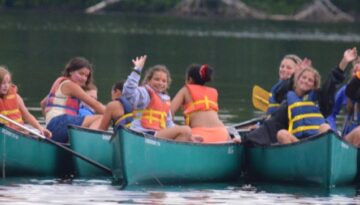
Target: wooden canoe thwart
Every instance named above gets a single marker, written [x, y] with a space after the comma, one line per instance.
[140, 159]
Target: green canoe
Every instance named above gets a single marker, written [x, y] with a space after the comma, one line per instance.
[93, 144]
[324, 159]
[23, 155]
[139, 159]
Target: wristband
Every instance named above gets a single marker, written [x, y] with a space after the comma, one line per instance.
[137, 71]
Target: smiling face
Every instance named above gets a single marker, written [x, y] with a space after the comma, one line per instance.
[80, 76]
[305, 82]
[159, 81]
[287, 68]
[5, 84]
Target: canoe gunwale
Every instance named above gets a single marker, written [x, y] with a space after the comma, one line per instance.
[89, 130]
[302, 141]
[152, 137]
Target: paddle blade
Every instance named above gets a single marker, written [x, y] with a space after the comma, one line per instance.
[260, 98]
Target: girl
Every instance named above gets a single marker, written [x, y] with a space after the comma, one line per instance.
[200, 105]
[268, 132]
[119, 110]
[305, 104]
[289, 65]
[305, 118]
[151, 102]
[62, 103]
[12, 105]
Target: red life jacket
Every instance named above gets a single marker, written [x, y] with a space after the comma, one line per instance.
[204, 99]
[69, 105]
[154, 116]
[10, 108]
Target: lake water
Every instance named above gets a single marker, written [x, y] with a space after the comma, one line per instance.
[37, 45]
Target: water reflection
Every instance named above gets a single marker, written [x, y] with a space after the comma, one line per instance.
[96, 191]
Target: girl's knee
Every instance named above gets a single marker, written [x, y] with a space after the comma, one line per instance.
[324, 127]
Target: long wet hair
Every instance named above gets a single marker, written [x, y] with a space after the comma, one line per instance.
[78, 63]
[156, 68]
[200, 74]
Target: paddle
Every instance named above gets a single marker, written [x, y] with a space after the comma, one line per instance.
[260, 98]
[100, 166]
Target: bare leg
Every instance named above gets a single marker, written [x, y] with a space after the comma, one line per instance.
[324, 127]
[91, 121]
[178, 133]
[285, 137]
[354, 137]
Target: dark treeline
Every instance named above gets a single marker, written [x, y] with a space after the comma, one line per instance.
[286, 7]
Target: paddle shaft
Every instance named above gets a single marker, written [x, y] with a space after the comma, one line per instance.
[100, 166]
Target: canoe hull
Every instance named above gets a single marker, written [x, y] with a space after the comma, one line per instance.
[326, 160]
[150, 160]
[23, 156]
[94, 145]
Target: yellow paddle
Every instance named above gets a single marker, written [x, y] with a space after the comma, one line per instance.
[260, 98]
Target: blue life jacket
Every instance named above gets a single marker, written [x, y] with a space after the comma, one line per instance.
[340, 102]
[273, 104]
[128, 116]
[304, 115]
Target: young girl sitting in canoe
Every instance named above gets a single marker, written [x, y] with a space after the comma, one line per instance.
[13, 106]
[119, 110]
[200, 104]
[151, 102]
[62, 103]
[304, 104]
[289, 65]
[267, 133]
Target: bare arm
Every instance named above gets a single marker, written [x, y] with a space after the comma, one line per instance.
[71, 89]
[112, 111]
[178, 101]
[29, 118]
[349, 55]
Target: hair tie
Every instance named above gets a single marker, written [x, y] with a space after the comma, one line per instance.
[203, 70]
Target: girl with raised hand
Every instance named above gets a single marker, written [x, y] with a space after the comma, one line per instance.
[62, 103]
[152, 103]
[306, 106]
[200, 105]
[13, 106]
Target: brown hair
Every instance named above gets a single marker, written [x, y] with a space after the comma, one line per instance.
[156, 68]
[78, 63]
[317, 80]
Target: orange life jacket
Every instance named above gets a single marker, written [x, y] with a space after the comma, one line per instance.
[10, 108]
[204, 99]
[69, 105]
[155, 114]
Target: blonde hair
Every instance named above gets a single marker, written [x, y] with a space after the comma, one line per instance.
[3, 71]
[317, 80]
[157, 68]
[296, 59]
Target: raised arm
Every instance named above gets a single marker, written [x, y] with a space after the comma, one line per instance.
[135, 94]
